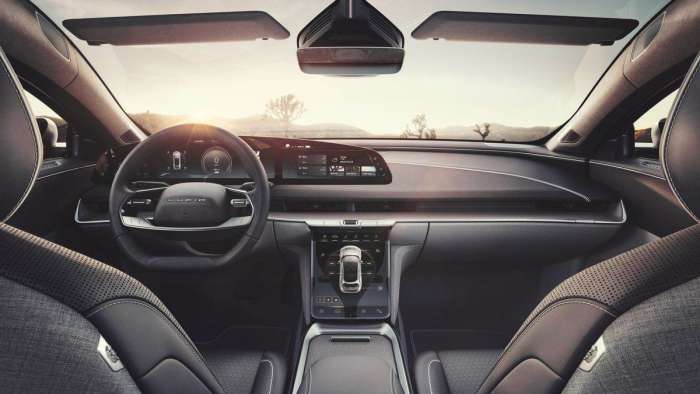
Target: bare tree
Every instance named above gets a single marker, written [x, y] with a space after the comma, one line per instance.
[286, 109]
[418, 128]
[485, 133]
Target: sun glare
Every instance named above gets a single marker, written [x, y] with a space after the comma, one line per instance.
[201, 116]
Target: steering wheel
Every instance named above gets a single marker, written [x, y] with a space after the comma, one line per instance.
[190, 211]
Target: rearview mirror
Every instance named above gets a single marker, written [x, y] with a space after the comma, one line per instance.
[350, 38]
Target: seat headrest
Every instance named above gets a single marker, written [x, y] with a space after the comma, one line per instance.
[20, 143]
[680, 143]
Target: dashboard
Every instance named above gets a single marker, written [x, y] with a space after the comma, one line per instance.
[286, 161]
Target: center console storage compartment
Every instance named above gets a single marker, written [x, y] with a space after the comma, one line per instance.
[351, 359]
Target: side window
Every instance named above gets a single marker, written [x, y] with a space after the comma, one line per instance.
[52, 127]
[648, 127]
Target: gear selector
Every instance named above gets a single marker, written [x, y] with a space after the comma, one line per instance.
[350, 278]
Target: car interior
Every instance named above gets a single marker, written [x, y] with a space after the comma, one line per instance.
[436, 197]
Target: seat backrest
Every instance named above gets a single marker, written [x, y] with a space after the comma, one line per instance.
[631, 323]
[69, 323]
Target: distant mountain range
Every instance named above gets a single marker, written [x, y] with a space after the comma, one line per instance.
[261, 125]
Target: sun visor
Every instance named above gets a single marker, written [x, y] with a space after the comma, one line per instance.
[177, 29]
[523, 28]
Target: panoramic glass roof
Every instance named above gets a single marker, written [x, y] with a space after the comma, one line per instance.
[517, 92]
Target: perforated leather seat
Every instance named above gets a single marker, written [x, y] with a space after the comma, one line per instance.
[69, 323]
[628, 324]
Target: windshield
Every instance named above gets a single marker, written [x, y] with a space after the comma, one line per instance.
[445, 90]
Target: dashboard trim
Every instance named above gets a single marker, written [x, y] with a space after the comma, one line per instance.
[580, 195]
[77, 219]
[458, 146]
[49, 175]
[624, 168]
[379, 219]
[477, 150]
[385, 219]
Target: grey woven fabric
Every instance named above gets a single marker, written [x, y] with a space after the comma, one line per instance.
[74, 279]
[46, 346]
[632, 277]
[652, 348]
[70, 277]
[466, 369]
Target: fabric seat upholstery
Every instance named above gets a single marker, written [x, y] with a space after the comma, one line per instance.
[69, 323]
[628, 324]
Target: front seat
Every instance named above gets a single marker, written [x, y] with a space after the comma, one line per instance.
[71, 324]
[628, 324]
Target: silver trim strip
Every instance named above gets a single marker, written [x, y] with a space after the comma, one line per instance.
[76, 217]
[338, 221]
[64, 171]
[606, 164]
[583, 196]
[382, 329]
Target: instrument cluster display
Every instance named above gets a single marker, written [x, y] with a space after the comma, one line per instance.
[286, 161]
[201, 159]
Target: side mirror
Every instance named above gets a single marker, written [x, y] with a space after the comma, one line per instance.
[48, 129]
[350, 38]
[656, 133]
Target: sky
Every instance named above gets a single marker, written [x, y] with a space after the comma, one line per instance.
[453, 83]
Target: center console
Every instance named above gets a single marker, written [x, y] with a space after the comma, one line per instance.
[350, 347]
[351, 359]
[350, 272]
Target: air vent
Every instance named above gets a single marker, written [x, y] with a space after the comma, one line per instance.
[385, 206]
[474, 206]
[315, 206]
[54, 36]
[647, 36]
[129, 137]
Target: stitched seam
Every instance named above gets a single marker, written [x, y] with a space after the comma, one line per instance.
[158, 313]
[537, 319]
[664, 163]
[391, 386]
[272, 373]
[430, 384]
[311, 379]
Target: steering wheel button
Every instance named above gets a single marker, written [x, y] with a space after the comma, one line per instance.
[239, 202]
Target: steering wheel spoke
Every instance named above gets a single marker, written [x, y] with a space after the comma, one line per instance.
[139, 210]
